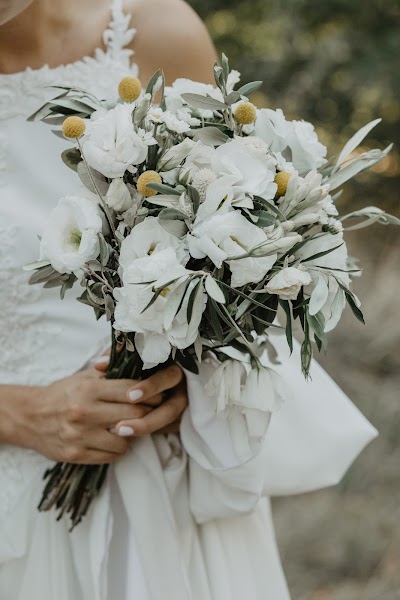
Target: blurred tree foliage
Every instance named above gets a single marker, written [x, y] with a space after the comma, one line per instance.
[335, 63]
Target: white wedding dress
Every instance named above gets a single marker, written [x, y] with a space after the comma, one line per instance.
[179, 518]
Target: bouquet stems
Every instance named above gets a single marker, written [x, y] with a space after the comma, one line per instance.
[71, 488]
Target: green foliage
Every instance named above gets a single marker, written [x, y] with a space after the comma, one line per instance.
[334, 63]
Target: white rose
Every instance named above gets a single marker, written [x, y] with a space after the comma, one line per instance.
[143, 240]
[111, 145]
[228, 235]
[307, 151]
[118, 196]
[71, 235]
[288, 282]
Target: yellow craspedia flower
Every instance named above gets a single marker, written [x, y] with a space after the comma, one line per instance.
[73, 127]
[282, 180]
[144, 179]
[129, 89]
[245, 113]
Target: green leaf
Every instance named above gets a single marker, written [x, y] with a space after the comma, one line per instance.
[354, 308]
[171, 214]
[250, 88]
[67, 285]
[211, 136]
[153, 81]
[225, 65]
[162, 188]
[194, 197]
[264, 218]
[44, 274]
[289, 332]
[319, 254]
[213, 290]
[232, 98]
[104, 250]
[203, 102]
[99, 179]
[71, 157]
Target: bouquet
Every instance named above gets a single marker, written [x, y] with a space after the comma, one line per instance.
[199, 217]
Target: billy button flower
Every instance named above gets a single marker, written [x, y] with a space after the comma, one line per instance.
[129, 89]
[245, 113]
[73, 127]
[282, 180]
[144, 179]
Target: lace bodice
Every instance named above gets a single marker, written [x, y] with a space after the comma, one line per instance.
[41, 337]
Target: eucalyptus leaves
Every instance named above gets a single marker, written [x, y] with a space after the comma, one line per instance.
[198, 219]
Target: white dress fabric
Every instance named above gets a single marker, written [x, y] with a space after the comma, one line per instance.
[179, 517]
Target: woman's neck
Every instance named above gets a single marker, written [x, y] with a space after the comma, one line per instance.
[49, 32]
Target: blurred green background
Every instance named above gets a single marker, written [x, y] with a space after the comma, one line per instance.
[336, 63]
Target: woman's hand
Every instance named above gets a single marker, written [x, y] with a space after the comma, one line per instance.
[164, 391]
[70, 420]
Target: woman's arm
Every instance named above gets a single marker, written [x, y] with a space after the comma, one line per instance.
[171, 36]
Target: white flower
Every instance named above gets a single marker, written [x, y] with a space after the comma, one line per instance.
[226, 383]
[256, 143]
[337, 259]
[170, 120]
[254, 172]
[233, 79]
[175, 103]
[306, 201]
[201, 180]
[143, 240]
[334, 226]
[175, 155]
[71, 235]
[307, 151]
[118, 196]
[288, 282]
[272, 127]
[231, 235]
[156, 332]
[111, 145]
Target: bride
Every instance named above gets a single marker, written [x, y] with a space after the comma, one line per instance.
[181, 515]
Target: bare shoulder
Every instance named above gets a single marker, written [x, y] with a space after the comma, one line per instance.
[170, 35]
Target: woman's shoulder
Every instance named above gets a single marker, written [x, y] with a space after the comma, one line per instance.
[172, 36]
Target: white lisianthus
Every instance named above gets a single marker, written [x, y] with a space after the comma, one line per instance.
[111, 145]
[307, 151]
[118, 196]
[288, 282]
[143, 240]
[225, 236]
[272, 127]
[225, 385]
[254, 171]
[156, 334]
[71, 235]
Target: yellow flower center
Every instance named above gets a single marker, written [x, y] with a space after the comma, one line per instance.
[73, 127]
[75, 238]
[245, 113]
[129, 89]
[282, 180]
[146, 178]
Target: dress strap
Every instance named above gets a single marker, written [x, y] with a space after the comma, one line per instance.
[118, 33]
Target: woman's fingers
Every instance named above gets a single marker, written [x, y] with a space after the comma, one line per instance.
[146, 390]
[104, 441]
[159, 418]
[101, 363]
[109, 414]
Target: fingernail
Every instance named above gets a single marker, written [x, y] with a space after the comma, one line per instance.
[135, 395]
[102, 360]
[125, 431]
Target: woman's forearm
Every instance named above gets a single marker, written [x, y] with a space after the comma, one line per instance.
[12, 401]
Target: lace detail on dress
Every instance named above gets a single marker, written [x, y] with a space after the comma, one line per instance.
[22, 93]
